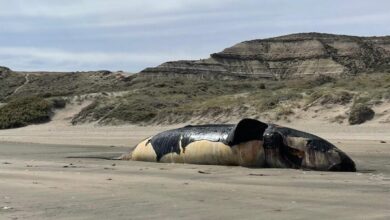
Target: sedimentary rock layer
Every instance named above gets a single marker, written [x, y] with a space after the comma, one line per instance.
[290, 56]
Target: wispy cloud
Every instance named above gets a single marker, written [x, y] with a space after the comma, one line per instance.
[62, 60]
[85, 8]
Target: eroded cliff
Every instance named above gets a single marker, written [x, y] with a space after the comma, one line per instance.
[290, 56]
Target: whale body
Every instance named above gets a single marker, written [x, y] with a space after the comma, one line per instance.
[249, 143]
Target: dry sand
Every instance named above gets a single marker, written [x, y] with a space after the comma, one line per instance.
[38, 181]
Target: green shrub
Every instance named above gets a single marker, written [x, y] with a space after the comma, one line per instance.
[340, 97]
[262, 86]
[310, 82]
[86, 112]
[360, 113]
[58, 103]
[134, 112]
[283, 112]
[267, 103]
[24, 111]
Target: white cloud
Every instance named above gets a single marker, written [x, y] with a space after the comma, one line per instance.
[337, 21]
[42, 15]
[76, 57]
[32, 58]
[72, 8]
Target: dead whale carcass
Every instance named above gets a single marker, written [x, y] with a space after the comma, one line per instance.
[249, 143]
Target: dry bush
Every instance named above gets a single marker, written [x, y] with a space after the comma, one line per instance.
[360, 113]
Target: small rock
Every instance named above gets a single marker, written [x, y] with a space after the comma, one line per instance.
[383, 142]
[109, 179]
[257, 174]
[113, 164]
[203, 172]
[7, 163]
[6, 208]
[70, 166]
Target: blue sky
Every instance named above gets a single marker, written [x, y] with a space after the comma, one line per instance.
[129, 35]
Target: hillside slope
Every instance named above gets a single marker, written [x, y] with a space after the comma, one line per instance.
[290, 56]
[47, 84]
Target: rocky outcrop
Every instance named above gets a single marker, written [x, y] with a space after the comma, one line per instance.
[290, 56]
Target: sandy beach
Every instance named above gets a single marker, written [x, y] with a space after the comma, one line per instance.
[39, 180]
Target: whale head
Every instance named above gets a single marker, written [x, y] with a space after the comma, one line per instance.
[289, 148]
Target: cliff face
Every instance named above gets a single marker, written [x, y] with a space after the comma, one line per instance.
[290, 56]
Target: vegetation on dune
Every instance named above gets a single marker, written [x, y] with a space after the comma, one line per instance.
[58, 103]
[359, 114]
[28, 110]
[24, 111]
[15, 84]
[152, 100]
[9, 82]
[176, 100]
